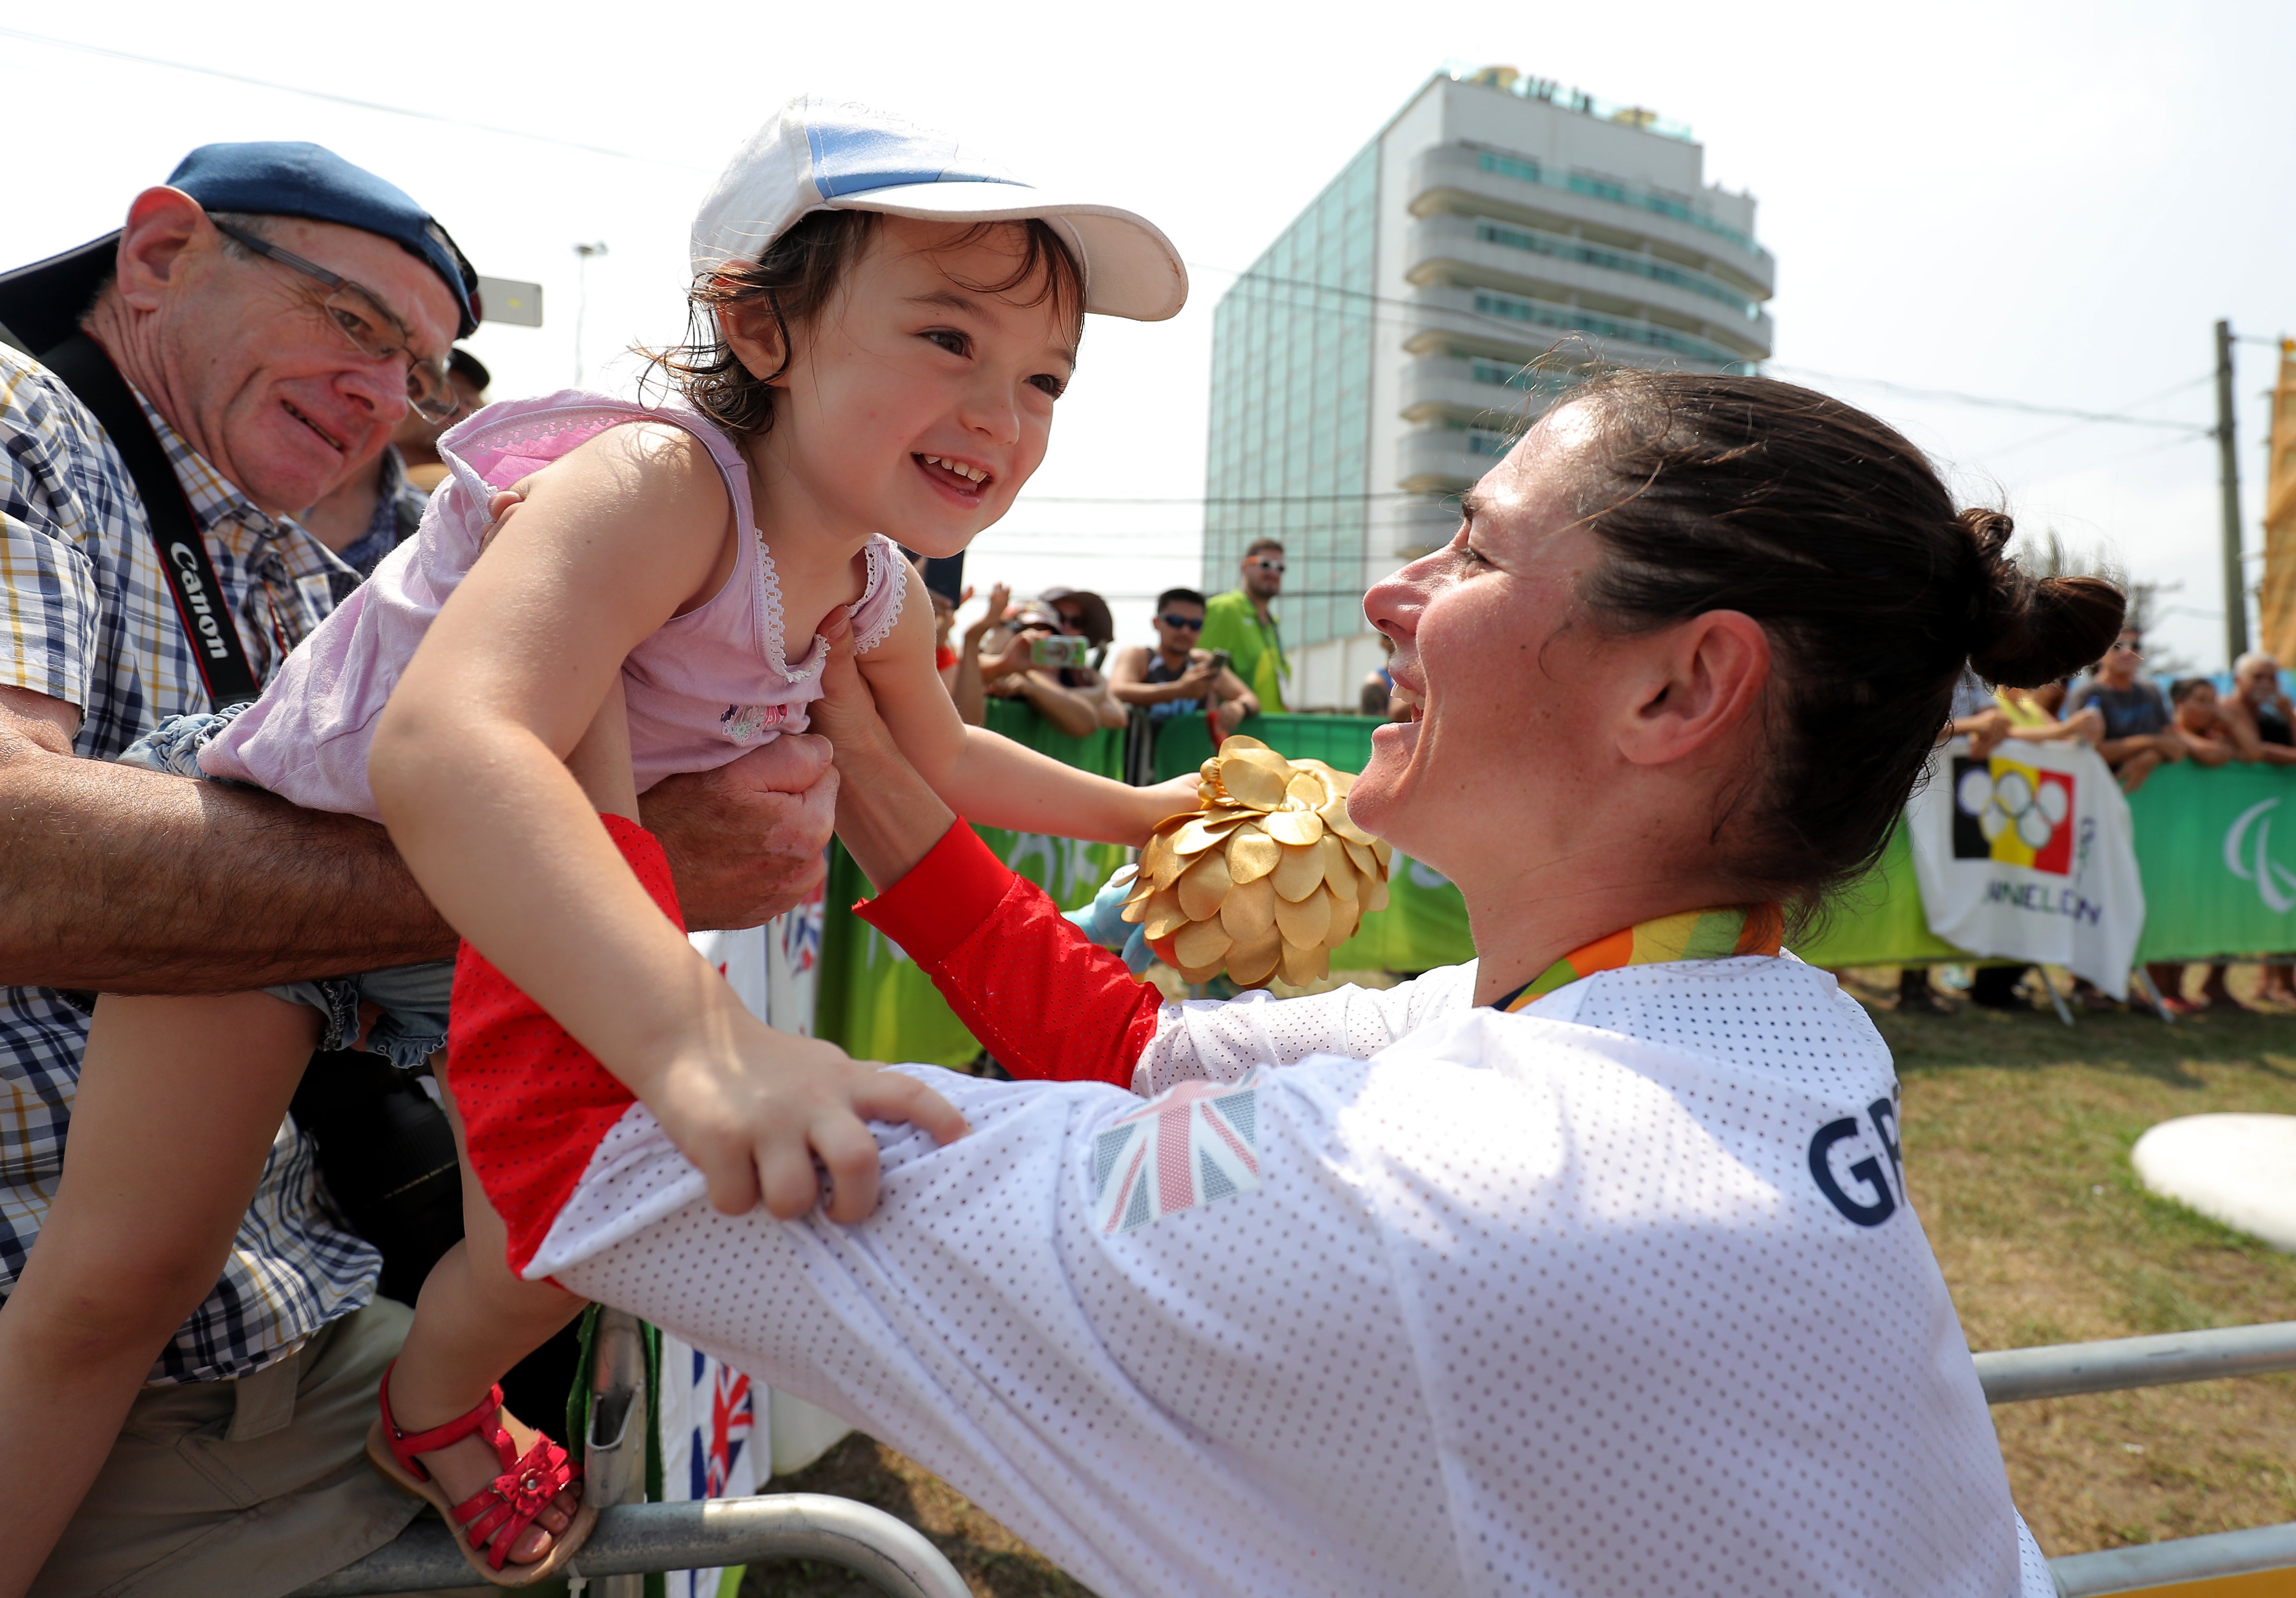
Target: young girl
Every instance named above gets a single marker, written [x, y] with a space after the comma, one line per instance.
[881, 340]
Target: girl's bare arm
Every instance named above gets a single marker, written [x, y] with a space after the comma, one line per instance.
[989, 780]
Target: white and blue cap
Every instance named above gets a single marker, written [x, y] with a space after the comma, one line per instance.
[823, 155]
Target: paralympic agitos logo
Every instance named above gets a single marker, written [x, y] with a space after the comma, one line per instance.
[2247, 856]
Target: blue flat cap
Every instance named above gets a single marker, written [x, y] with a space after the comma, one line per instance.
[289, 178]
[41, 304]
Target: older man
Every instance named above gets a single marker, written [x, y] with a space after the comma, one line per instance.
[246, 342]
[2257, 715]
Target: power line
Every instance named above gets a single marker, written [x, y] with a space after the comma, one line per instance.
[1948, 396]
[1951, 396]
[2058, 432]
[1994, 402]
[312, 94]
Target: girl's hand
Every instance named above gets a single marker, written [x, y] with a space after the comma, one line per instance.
[754, 1124]
[1000, 600]
[1176, 797]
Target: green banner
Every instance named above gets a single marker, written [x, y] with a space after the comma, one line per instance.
[873, 1000]
[2216, 880]
[2216, 884]
[1877, 920]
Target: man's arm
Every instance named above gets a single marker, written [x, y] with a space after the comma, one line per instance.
[1127, 679]
[124, 880]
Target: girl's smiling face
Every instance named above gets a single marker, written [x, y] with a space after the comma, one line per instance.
[919, 401]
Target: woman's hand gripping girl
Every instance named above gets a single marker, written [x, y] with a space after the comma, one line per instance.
[499, 699]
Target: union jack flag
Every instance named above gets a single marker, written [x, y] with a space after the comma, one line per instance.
[732, 1416]
[1185, 1147]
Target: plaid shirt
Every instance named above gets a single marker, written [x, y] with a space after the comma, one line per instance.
[90, 621]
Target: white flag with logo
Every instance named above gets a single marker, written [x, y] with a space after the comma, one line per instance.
[2028, 855]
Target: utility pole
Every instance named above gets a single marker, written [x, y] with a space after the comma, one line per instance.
[2235, 584]
[583, 253]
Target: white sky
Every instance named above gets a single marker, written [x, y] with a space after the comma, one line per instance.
[2045, 201]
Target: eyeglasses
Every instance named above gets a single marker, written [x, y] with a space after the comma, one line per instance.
[373, 331]
[1182, 623]
[1265, 565]
[2118, 647]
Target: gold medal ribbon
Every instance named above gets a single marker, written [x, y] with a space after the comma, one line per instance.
[1721, 933]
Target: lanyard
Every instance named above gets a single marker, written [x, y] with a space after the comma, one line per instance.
[1717, 934]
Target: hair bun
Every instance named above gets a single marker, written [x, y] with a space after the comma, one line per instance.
[2022, 632]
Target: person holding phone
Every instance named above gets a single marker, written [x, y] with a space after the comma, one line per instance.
[1046, 662]
[1177, 678]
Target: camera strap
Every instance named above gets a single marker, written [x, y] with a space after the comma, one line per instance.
[80, 364]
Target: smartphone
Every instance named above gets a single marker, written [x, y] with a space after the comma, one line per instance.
[1221, 661]
[1059, 652]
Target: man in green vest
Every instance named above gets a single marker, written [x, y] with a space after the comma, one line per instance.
[1239, 621]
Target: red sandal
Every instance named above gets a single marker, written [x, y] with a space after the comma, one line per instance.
[504, 1507]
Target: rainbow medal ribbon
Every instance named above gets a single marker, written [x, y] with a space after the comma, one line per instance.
[1722, 934]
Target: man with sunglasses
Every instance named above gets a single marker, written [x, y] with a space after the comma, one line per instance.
[1176, 677]
[171, 396]
[1241, 622]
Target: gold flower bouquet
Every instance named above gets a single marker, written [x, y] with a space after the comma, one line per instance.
[1266, 877]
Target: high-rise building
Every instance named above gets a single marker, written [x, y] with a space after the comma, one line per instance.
[1377, 359]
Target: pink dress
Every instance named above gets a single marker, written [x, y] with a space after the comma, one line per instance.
[702, 689]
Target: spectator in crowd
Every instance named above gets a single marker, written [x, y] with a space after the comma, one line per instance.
[2033, 721]
[1978, 714]
[944, 629]
[379, 505]
[2138, 736]
[1084, 615]
[417, 439]
[1176, 677]
[1073, 699]
[2257, 718]
[1376, 692]
[962, 671]
[230, 371]
[1382, 695]
[2253, 726]
[1242, 622]
[2199, 722]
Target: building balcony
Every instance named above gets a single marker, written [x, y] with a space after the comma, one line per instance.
[1412, 527]
[1449, 249]
[1477, 391]
[1454, 175]
[1447, 460]
[1520, 327]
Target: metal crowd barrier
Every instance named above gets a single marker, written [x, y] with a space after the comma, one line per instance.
[637, 1538]
[2015, 1375]
[633, 1539]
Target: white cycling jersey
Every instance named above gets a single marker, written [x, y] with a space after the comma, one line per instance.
[1385, 1294]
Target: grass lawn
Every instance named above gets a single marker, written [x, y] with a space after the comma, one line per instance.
[2017, 1133]
[2017, 1137]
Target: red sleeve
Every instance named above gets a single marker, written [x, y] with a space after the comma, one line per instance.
[1047, 1001]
